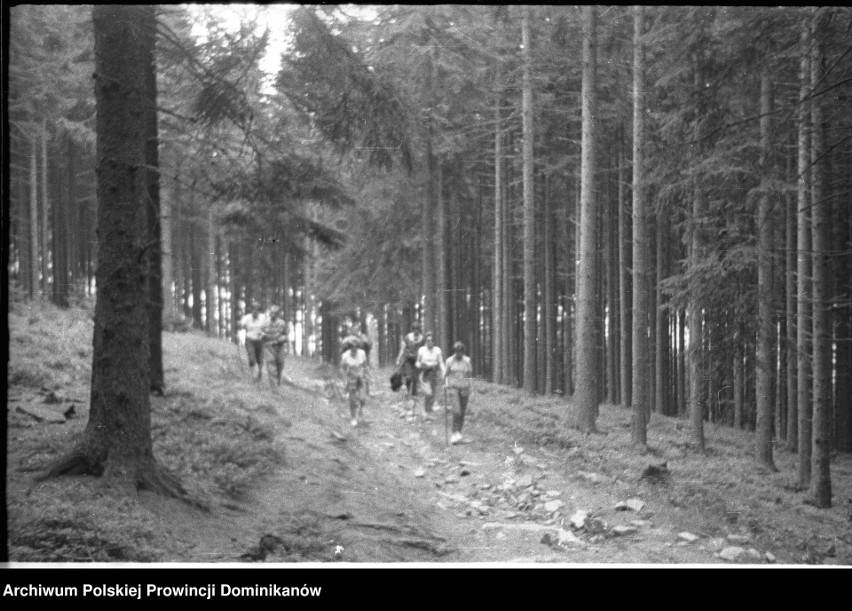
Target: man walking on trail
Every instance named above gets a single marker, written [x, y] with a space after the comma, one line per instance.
[275, 335]
[430, 364]
[353, 363]
[457, 375]
[253, 323]
[407, 362]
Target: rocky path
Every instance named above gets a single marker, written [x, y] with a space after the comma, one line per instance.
[493, 500]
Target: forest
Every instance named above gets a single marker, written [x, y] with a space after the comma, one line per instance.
[643, 206]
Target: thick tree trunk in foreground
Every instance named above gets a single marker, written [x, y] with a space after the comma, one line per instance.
[155, 256]
[586, 395]
[117, 440]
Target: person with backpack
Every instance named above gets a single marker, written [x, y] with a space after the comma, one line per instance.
[406, 362]
[458, 372]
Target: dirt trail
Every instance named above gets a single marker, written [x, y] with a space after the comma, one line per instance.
[395, 491]
[525, 489]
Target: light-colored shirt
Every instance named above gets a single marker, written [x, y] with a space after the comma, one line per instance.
[459, 372]
[254, 326]
[354, 366]
[430, 358]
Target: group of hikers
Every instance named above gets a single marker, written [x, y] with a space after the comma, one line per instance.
[420, 366]
[266, 337]
[423, 368]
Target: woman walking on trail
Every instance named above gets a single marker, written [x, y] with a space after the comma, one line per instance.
[353, 363]
[457, 375]
[430, 363]
[360, 340]
[407, 361]
[275, 335]
[253, 324]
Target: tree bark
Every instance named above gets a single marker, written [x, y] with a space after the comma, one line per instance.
[117, 439]
[498, 261]
[765, 363]
[661, 369]
[803, 271]
[696, 381]
[820, 482]
[152, 185]
[585, 397]
[529, 211]
[639, 393]
[625, 290]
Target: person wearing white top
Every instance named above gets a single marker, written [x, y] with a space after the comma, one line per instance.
[430, 364]
[353, 363]
[457, 376]
[253, 323]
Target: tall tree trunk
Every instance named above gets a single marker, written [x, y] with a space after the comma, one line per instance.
[640, 389]
[508, 306]
[44, 215]
[549, 307]
[765, 363]
[210, 291]
[428, 255]
[820, 483]
[610, 245]
[681, 363]
[661, 369]
[35, 288]
[498, 264]
[803, 270]
[117, 439]
[529, 211]
[792, 422]
[696, 381]
[168, 260]
[152, 186]
[442, 292]
[625, 290]
[585, 398]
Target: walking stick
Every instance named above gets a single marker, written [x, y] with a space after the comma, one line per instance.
[446, 430]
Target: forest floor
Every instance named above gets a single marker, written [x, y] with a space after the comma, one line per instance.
[280, 475]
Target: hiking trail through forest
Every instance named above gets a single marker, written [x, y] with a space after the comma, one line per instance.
[524, 489]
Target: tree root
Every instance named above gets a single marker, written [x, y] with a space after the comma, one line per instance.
[144, 474]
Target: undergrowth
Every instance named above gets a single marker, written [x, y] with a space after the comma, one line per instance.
[62, 523]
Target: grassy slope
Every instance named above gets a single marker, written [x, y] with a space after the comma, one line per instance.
[227, 444]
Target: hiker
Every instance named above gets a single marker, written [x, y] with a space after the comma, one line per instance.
[353, 363]
[275, 333]
[355, 336]
[430, 363]
[407, 361]
[458, 372]
[253, 323]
